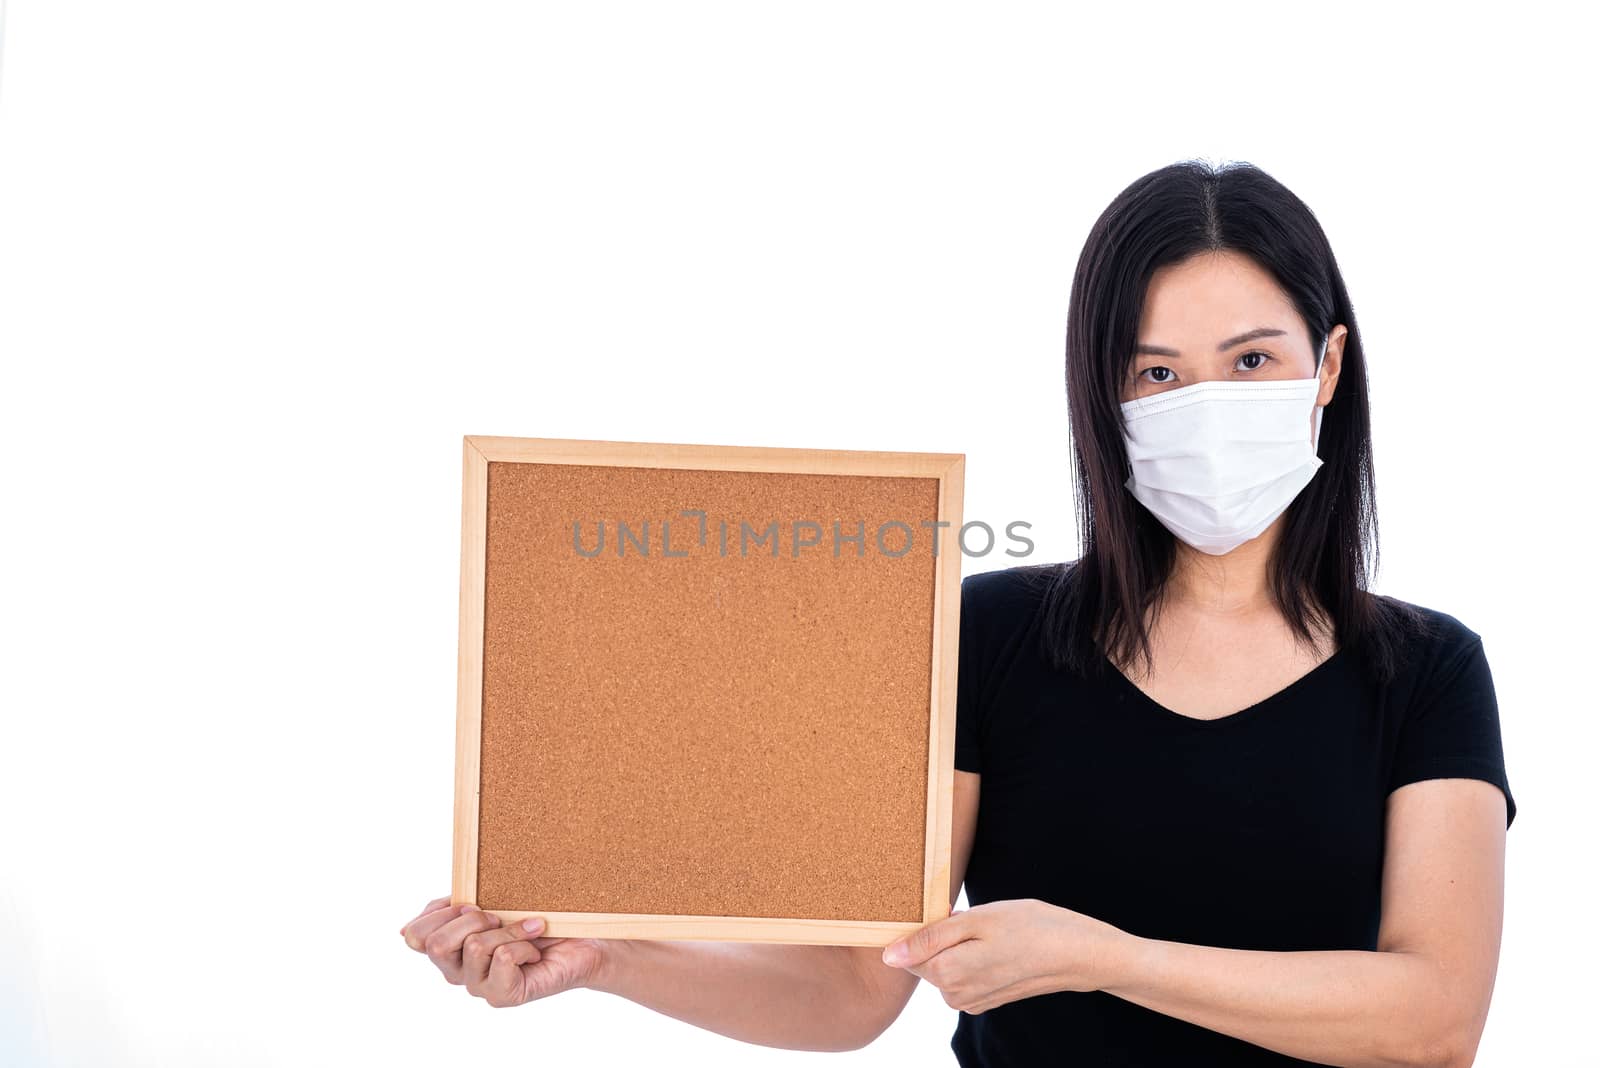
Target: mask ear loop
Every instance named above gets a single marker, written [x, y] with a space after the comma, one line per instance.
[1316, 432]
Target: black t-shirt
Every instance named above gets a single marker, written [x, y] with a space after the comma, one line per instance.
[1260, 830]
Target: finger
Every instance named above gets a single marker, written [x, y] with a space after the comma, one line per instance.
[533, 928]
[433, 906]
[479, 947]
[443, 946]
[506, 979]
[926, 941]
[420, 929]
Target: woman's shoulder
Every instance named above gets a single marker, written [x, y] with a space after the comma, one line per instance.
[1429, 624]
[1000, 610]
[1007, 592]
[1433, 638]
[1450, 723]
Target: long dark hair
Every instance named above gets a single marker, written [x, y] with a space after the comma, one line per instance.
[1095, 606]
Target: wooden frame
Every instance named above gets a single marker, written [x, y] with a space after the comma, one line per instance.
[947, 468]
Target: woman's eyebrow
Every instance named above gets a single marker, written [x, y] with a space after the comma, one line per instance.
[1251, 335]
[1260, 331]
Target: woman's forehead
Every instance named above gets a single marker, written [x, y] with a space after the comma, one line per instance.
[1210, 298]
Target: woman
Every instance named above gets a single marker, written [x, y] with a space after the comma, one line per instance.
[1236, 809]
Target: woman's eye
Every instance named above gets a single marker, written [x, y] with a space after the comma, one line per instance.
[1261, 359]
[1160, 374]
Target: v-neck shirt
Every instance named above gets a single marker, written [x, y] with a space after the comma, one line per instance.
[1261, 829]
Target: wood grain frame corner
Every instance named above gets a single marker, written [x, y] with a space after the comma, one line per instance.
[479, 451]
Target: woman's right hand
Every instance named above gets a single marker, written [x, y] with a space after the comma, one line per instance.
[504, 965]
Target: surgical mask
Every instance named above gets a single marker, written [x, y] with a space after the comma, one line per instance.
[1217, 462]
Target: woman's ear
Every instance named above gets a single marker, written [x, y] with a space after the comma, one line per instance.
[1332, 361]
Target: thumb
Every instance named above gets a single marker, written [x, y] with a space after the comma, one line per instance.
[924, 942]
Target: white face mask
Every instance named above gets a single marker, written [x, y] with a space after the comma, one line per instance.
[1217, 462]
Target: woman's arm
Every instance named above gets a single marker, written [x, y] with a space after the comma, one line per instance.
[1420, 999]
[789, 996]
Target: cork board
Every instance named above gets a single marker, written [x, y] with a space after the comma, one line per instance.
[707, 691]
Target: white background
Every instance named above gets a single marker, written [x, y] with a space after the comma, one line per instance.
[262, 265]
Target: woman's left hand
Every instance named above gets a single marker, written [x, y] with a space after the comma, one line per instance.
[1008, 950]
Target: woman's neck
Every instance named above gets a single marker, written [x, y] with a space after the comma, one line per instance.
[1233, 584]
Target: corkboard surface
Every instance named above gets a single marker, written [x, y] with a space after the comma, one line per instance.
[713, 734]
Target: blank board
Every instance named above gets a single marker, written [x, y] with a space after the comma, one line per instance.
[707, 691]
